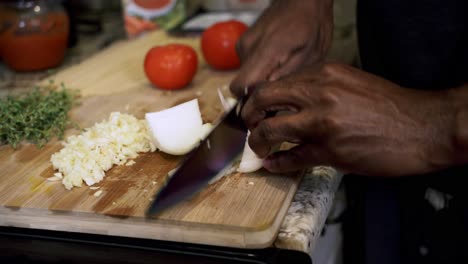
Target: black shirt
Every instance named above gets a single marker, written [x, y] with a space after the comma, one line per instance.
[415, 43]
[418, 44]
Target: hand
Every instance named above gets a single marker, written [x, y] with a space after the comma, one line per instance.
[356, 122]
[288, 35]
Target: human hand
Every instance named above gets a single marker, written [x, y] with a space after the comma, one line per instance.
[288, 35]
[356, 122]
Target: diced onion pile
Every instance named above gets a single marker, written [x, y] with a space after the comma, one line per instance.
[86, 157]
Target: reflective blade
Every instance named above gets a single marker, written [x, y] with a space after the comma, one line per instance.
[205, 162]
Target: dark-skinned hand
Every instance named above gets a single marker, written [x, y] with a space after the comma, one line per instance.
[288, 35]
[356, 122]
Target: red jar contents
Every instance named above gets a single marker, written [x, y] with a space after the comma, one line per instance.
[34, 42]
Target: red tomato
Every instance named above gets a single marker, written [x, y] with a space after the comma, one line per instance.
[171, 66]
[218, 43]
[152, 4]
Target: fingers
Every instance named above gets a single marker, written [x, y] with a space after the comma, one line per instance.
[255, 69]
[274, 131]
[269, 97]
[295, 159]
[293, 62]
[262, 61]
[247, 43]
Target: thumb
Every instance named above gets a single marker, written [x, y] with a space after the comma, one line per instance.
[294, 159]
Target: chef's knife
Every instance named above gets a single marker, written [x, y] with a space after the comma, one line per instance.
[205, 162]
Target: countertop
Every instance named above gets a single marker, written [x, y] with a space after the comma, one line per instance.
[313, 201]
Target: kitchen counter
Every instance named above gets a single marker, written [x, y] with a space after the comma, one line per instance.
[311, 205]
[307, 214]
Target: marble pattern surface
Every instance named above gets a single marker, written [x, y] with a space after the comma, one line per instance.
[310, 207]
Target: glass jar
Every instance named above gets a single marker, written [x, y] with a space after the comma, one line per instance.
[33, 34]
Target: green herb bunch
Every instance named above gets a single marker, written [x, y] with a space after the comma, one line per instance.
[36, 116]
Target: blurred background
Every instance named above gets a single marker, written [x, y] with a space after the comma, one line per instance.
[76, 29]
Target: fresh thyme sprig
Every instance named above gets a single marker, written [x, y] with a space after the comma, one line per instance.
[36, 116]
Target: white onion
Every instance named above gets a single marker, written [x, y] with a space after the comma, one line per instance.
[176, 130]
[205, 130]
[250, 162]
[227, 102]
[179, 129]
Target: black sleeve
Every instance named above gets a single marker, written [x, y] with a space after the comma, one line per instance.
[415, 43]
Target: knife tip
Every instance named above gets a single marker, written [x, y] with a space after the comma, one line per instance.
[153, 211]
[157, 207]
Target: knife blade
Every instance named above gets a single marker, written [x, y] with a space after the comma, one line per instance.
[218, 150]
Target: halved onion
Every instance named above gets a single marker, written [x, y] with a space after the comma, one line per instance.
[179, 129]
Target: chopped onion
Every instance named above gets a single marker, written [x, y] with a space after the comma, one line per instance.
[171, 172]
[54, 178]
[222, 99]
[86, 157]
[130, 163]
[231, 102]
[227, 102]
[250, 162]
[205, 130]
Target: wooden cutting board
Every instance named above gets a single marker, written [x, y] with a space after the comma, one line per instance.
[240, 210]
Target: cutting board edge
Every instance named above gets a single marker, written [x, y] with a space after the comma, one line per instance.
[123, 229]
[230, 236]
[266, 237]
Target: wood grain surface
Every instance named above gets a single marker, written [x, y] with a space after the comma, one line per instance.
[240, 210]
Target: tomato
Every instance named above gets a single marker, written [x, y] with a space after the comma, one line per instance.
[218, 43]
[153, 4]
[171, 66]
